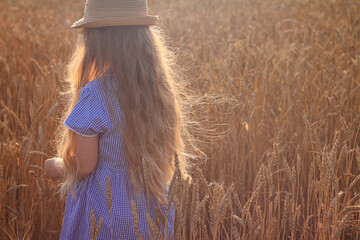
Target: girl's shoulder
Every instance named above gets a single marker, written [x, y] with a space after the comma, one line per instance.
[90, 116]
[92, 86]
[99, 86]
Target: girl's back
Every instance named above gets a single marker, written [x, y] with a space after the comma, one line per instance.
[91, 116]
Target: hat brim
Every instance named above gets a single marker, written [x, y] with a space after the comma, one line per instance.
[120, 21]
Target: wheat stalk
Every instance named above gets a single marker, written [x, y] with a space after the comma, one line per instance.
[358, 158]
[194, 204]
[1, 176]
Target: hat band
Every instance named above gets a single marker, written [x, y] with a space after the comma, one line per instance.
[115, 21]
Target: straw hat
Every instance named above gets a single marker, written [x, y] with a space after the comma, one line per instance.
[103, 13]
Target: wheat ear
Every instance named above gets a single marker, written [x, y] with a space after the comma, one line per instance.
[93, 224]
[160, 214]
[94, 231]
[154, 231]
[146, 180]
[99, 227]
[136, 219]
[109, 202]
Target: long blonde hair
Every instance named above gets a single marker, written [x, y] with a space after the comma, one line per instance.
[149, 95]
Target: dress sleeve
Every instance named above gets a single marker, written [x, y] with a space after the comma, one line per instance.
[88, 116]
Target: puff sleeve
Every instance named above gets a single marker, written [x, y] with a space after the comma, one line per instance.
[88, 116]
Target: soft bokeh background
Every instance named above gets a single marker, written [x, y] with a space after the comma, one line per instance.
[278, 92]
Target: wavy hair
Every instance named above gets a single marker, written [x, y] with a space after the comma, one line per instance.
[149, 95]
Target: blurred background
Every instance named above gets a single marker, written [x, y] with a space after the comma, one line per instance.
[276, 99]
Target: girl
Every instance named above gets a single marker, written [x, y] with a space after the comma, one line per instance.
[124, 123]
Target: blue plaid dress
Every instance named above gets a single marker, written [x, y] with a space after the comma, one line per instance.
[91, 117]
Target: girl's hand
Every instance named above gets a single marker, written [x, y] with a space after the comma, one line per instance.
[54, 167]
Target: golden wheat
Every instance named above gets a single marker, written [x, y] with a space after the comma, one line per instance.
[109, 201]
[136, 219]
[275, 110]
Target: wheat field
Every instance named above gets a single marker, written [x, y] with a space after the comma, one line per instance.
[277, 85]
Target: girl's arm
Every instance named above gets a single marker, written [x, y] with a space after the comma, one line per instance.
[86, 154]
[86, 158]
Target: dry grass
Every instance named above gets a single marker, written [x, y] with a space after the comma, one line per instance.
[279, 94]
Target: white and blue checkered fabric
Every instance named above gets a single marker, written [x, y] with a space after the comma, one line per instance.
[91, 117]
